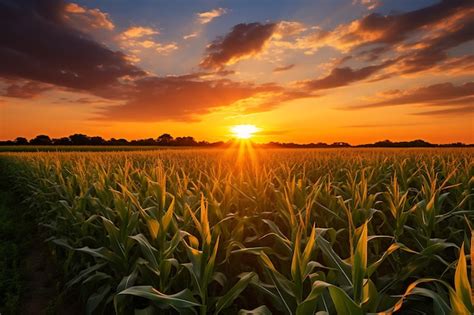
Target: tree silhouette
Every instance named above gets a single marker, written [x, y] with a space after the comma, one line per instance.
[21, 141]
[165, 139]
[62, 141]
[79, 139]
[41, 140]
[97, 141]
[185, 141]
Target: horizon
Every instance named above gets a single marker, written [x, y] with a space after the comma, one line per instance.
[353, 71]
[232, 139]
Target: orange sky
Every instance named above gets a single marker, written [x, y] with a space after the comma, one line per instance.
[360, 74]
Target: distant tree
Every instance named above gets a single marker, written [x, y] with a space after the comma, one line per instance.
[114, 141]
[185, 141]
[62, 141]
[21, 141]
[97, 141]
[79, 139]
[41, 140]
[165, 139]
[144, 142]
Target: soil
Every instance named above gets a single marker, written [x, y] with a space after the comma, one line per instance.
[43, 293]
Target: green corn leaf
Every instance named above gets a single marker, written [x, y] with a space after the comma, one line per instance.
[180, 300]
[340, 265]
[359, 265]
[226, 300]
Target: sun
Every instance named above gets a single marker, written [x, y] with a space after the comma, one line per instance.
[244, 131]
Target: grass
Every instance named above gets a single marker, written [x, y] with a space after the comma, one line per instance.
[258, 232]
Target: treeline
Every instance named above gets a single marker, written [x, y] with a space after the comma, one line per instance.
[411, 144]
[169, 141]
[81, 139]
[378, 144]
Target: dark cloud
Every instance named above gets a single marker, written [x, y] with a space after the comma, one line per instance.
[389, 29]
[462, 65]
[181, 98]
[82, 17]
[434, 51]
[82, 100]
[24, 89]
[244, 40]
[383, 32]
[437, 94]
[37, 43]
[283, 68]
[344, 76]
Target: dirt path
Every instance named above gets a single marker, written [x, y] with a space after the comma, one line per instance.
[43, 292]
[39, 287]
[29, 280]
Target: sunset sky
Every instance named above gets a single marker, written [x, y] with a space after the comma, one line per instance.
[302, 71]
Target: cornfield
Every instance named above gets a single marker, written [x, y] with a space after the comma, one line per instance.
[258, 232]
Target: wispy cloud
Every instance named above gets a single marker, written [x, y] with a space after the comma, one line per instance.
[369, 4]
[136, 38]
[436, 94]
[206, 17]
[463, 110]
[283, 68]
[190, 35]
[138, 32]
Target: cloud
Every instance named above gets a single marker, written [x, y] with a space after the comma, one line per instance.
[411, 43]
[243, 41]
[284, 68]
[24, 89]
[420, 39]
[288, 28]
[434, 51]
[436, 94]
[206, 17]
[343, 76]
[138, 32]
[180, 98]
[456, 65]
[389, 29]
[51, 51]
[191, 35]
[369, 4]
[82, 100]
[463, 110]
[136, 38]
[165, 49]
[54, 54]
[81, 17]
